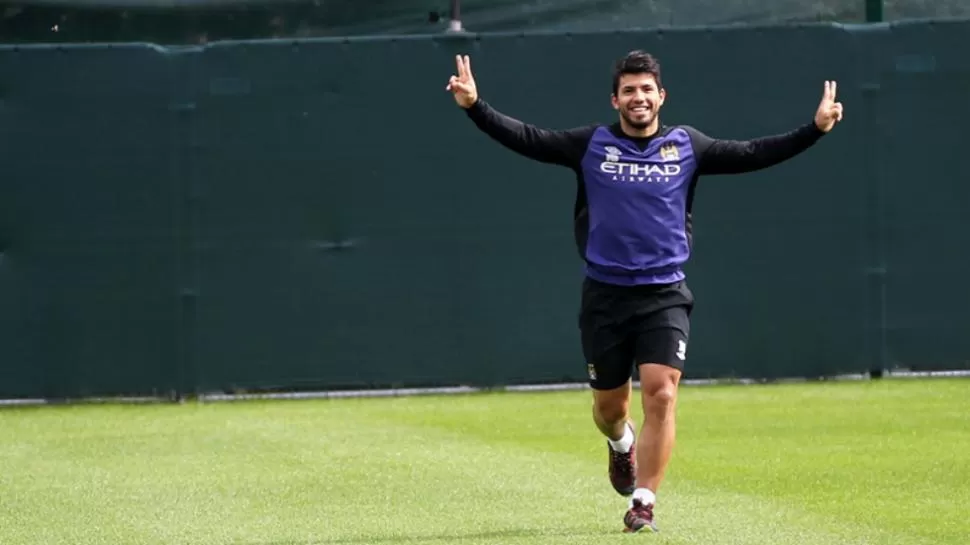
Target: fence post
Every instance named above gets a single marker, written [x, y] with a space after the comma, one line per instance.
[874, 11]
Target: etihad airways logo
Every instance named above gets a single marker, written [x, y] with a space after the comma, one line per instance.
[638, 172]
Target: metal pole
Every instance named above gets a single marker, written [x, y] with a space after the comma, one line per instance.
[874, 11]
[454, 24]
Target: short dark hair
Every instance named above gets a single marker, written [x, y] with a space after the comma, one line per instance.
[636, 62]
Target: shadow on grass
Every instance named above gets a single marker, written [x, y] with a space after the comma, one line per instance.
[451, 537]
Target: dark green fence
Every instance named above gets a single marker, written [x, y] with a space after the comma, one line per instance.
[320, 214]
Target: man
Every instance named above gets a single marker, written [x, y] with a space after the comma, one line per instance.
[636, 181]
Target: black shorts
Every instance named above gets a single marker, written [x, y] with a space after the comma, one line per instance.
[625, 326]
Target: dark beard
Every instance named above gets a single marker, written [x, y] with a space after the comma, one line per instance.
[638, 125]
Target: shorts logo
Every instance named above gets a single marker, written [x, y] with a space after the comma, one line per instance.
[591, 369]
[682, 350]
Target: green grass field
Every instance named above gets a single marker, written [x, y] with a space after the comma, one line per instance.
[876, 463]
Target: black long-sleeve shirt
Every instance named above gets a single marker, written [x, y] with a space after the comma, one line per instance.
[633, 203]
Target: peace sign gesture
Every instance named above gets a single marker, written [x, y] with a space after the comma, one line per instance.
[463, 85]
[829, 111]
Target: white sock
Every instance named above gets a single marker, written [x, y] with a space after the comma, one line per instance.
[625, 443]
[645, 495]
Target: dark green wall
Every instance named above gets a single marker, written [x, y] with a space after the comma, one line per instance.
[320, 213]
[88, 199]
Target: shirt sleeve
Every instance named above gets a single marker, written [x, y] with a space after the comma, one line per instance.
[559, 147]
[715, 156]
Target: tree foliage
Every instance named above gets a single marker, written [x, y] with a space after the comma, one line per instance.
[200, 21]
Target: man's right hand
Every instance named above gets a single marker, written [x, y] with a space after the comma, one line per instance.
[463, 85]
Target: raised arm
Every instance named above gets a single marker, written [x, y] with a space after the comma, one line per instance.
[561, 147]
[564, 148]
[716, 156]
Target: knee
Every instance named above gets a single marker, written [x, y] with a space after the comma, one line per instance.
[612, 409]
[660, 397]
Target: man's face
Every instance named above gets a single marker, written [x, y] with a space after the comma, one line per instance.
[638, 99]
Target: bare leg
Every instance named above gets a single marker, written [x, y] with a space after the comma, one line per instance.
[611, 410]
[611, 413]
[658, 384]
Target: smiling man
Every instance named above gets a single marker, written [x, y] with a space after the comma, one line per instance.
[636, 180]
